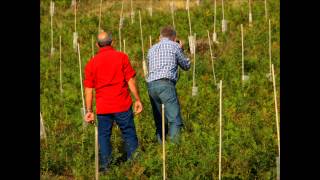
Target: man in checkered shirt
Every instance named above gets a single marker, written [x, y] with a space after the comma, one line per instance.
[163, 61]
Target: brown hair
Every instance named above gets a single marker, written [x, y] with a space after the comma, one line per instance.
[168, 32]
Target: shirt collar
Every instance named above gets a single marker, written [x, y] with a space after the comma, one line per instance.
[105, 48]
[165, 39]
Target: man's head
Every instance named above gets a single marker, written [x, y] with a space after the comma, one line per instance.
[168, 32]
[104, 39]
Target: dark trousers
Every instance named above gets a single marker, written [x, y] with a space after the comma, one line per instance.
[126, 124]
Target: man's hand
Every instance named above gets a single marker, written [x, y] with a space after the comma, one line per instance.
[89, 117]
[181, 44]
[138, 107]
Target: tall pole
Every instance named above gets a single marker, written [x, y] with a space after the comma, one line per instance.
[92, 46]
[96, 148]
[172, 13]
[80, 75]
[265, 9]
[276, 108]
[144, 64]
[189, 20]
[120, 25]
[222, 10]
[100, 16]
[131, 12]
[214, 76]
[124, 46]
[215, 18]
[163, 144]
[60, 66]
[242, 50]
[150, 41]
[270, 45]
[220, 134]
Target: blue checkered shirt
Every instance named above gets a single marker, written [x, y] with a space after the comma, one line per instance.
[163, 59]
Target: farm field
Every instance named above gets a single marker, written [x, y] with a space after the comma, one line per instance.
[249, 128]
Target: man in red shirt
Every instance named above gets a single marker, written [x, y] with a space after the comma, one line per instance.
[110, 73]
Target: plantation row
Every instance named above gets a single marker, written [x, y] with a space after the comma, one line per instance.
[241, 56]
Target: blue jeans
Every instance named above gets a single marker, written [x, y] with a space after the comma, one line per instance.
[126, 124]
[164, 92]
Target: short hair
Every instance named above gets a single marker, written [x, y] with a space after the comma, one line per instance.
[168, 32]
[106, 41]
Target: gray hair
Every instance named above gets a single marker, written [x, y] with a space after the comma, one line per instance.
[105, 41]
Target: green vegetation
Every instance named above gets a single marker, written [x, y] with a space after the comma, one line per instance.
[249, 130]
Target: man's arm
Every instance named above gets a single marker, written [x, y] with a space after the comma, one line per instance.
[183, 62]
[133, 88]
[89, 117]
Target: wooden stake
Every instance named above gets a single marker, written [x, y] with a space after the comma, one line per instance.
[150, 41]
[132, 13]
[99, 29]
[242, 50]
[220, 136]
[92, 46]
[124, 46]
[189, 19]
[96, 147]
[144, 64]
[211, 55]
[172, 13]
[163, 144]
[150, 8]
[265, 9]
[80, 75]
[120, 25]
[270, 45]
[276, 107]
[222, 9]
[61, 90]
[75, 16]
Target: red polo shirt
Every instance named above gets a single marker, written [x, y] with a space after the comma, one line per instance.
[108, 72]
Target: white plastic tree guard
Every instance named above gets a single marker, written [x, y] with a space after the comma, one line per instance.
[250, 14]
[211, 55]
[75, 41]
[150, 8]
[194, 87]
[51, 26]
[172, 8]
[191, 44]
[214, 35]
[224, 21]
[43, 134]
[187, 4]
[224, 25]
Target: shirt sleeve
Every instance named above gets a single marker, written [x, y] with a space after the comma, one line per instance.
[128, 71]
[89, 80]
[183, 62]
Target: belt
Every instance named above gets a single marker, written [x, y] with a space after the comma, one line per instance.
[166, 79]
